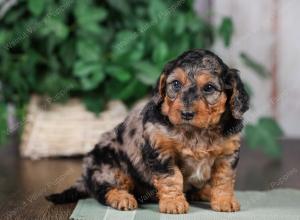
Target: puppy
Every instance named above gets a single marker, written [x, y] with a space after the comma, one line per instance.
[183, 144]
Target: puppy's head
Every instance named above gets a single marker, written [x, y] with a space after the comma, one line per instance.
[198, 89]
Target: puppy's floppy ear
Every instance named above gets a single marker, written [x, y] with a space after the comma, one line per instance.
[237, 102]
[160, 88]
[239, 98]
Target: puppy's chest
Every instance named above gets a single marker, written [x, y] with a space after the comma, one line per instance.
[196, 168]
[197, 156]
[197, 153]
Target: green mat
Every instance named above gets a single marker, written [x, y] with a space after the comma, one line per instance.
[278, 204]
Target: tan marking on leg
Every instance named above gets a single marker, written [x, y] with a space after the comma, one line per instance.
[120, 199]
[203, 194]
[222, 191]
[124, 181]
[170, 193]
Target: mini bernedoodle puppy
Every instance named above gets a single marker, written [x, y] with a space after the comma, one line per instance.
[182, 145]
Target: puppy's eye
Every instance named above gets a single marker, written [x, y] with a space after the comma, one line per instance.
[209, 88]
[176, 85]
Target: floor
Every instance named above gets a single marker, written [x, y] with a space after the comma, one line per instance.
[24, 183]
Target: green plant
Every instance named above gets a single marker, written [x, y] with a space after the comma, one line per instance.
[265, 133]
[95, 50]
[104, 49]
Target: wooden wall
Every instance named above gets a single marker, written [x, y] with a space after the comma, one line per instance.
[267, 30]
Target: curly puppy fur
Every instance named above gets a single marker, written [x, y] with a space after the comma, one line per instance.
[183, 144]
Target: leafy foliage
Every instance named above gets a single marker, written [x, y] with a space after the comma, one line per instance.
[254, 65]
[265, 135]
[226, 30]
[266, 132]
[3, 124]
[103, 50]
[46, 46]
[96, 50]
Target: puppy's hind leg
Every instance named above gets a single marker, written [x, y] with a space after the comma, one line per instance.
[119, 196]
[109, 182]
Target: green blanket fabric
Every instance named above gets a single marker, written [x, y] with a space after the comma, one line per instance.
[278, 204]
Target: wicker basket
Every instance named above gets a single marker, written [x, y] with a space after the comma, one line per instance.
[65, 129]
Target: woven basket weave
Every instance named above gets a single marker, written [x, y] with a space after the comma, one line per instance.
[65, 129]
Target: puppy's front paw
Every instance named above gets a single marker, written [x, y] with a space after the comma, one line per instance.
[225, 204]
[122, 200]
[177, 205]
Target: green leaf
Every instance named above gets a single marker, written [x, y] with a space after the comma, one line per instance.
[121, 6]
[265, 136]
[3, 37]
[156, 8]
[83, 69]
[147, 73]
[248, 89]
[86, 14]
[254, 65]
[162, 25]
[36, 7]
[14, 15]
[118, 73]
[180, 24]
[56, 27]
[56, 87]
[180, 46]
[129, 91]
[123, 41]
[272, 126]
[125, 47]
[93, 103]
[90, 74]
[88, 50]
[160, 52]
[137, 53]
[89, 16]
[252, 136]
[226, 30]
[3, 123]
[67, 53]
[195, 23]
[93, 28]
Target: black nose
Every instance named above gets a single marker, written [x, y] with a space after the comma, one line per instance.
[187, 115]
